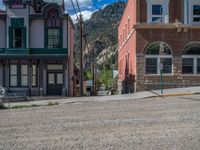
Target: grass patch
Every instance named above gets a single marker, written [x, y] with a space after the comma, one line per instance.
[52, 103]
[27, 106]
[24, 106]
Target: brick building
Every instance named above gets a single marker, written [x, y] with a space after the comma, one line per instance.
[157, 36]
[36, 47]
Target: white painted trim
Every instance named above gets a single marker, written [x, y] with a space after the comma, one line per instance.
[158, 57]
[189, 10]
[165, 5]
[194, 57]
[124, 42]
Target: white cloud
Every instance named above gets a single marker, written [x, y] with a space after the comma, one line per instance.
[82, 3]
[86, 15]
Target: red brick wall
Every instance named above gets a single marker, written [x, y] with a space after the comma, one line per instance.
[128, 45]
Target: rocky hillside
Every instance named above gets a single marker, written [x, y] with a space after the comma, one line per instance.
[101, 31]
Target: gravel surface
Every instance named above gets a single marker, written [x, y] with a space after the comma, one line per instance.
[157, 123]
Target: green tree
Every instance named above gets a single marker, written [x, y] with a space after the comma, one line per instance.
[106, 76]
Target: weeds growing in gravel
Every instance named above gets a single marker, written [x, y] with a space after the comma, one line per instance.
[52, 103]
[2, 106]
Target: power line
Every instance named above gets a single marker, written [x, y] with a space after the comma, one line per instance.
[78, 6]
[74, 9]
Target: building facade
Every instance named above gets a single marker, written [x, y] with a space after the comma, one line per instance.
[159, 37]
[36, 48]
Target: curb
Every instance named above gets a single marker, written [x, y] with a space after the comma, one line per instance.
[176, 94]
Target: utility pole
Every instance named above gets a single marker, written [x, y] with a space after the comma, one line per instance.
[93, 76]
[81, 54]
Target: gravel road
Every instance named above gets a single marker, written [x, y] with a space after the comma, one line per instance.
[157, 123]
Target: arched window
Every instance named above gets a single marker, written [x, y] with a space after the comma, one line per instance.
[53, 23]
[158, 58]
[191, 58]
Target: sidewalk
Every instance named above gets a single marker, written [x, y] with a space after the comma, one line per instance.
[134, 96]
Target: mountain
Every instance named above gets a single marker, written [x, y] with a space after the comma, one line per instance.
[101, 32]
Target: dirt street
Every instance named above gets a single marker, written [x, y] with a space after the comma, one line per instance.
[157, 123]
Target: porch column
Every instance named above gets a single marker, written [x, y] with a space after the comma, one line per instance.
[41, 90]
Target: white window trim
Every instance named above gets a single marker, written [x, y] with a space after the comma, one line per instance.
[188, 11]
[194, 57]
[158, 57]
[165, 5]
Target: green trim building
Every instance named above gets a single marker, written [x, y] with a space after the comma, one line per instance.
[36, 48]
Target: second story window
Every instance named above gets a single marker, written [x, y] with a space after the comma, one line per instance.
[53, 29]
[157, 13]
[17, 33]
[17, 38]
[196, 13]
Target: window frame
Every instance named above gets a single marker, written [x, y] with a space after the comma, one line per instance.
[165, 11]
[195, 64]
[59, 38]
[35, 75]
[193, 15]
[23, 75]
[13, 75]
[158, 58]
[157, 15]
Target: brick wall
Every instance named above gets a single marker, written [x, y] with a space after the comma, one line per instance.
[177, 41]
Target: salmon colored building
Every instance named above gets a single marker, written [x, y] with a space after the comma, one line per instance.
[159, 37]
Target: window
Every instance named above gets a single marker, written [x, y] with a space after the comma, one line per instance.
[53, 38]
[196, 13]
[187, 66]
[24, 75]
[121, 40]
[128, 26]
[151, 65]
[34, 75]
[157, 54]
[198, 65]
[17, 38]
[13, 75]
[54, 29]
[123, 35]
[126, 32]
[167, 65]
[157, 13]
[191, 58]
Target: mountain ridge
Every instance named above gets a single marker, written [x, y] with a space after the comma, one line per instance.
[101, 31]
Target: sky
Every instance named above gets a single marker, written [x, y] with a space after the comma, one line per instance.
[87, 7]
